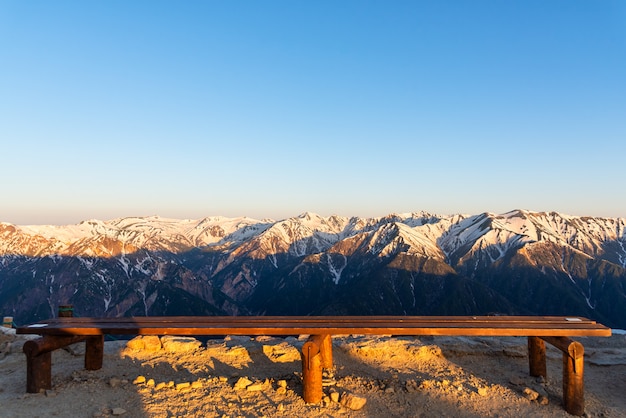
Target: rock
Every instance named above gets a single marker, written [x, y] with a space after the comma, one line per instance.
[150, 383]
[174, 344]
[145, 342]
[482, 391]
[160, 385]
[543, 400]
[115, 382]
[282, 383]
[139, 380]
[242, 383]
[334, 396]
[152, 343]
[517, 381]
[255, 387]
[136, 343]
[196, 385]
[352, 401]
[530, 394]
[183, 385]
[118, 411]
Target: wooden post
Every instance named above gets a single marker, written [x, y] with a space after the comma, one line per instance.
[325, 343]
[573, 382]
[573, 373]
[66, 311]
[537, 357]
[311, 372]
[94, 352]
[39, 360]
[38, 372]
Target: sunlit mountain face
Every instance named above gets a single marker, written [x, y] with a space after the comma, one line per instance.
[520, 262]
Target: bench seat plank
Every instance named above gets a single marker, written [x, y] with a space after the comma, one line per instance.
[282, 325]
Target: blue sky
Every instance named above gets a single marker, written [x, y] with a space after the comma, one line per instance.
[272, 108]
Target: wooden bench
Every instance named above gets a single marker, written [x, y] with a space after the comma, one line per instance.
[317, 350]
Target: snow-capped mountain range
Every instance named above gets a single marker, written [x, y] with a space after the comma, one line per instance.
[412, 263]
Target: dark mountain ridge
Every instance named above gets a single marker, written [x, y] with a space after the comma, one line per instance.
[519, 262]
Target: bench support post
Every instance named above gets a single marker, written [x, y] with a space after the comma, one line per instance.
[537, 357]
[39, 360]
[38, 372]
[311, 372]
[94, 352]
[573, 373]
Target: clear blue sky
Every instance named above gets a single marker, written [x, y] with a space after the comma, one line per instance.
[272, 108]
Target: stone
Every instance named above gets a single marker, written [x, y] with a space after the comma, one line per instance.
[282, 383]
[183, 385]
[139, 380]
[530, 394]
[518, 381]
[118, 411]
[145, 343]
[176, 344]
[334, 396]
[150, 383]
[115, 382]
[160, 385]
[255, 387]
[352, 401]
[242, 383]
[152, 343]
[136, 343]
[196, 385]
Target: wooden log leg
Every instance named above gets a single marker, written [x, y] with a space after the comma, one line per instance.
[311, 372]
[325, 343]
[94, 352]
[38, 372]
[537, 357]
[573, 381]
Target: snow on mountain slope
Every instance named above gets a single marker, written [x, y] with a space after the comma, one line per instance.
[459, 237]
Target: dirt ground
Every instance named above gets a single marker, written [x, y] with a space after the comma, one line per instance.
[260, 377]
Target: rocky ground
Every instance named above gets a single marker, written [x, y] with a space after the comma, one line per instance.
[260, 377]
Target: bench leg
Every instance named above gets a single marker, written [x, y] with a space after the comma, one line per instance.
[573, 382]
[94, 352]
[537, 357]
[573, 373]
[39, 358]
[311, 372]
[38, 372]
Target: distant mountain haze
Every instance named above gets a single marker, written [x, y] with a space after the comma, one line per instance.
[520, 262]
